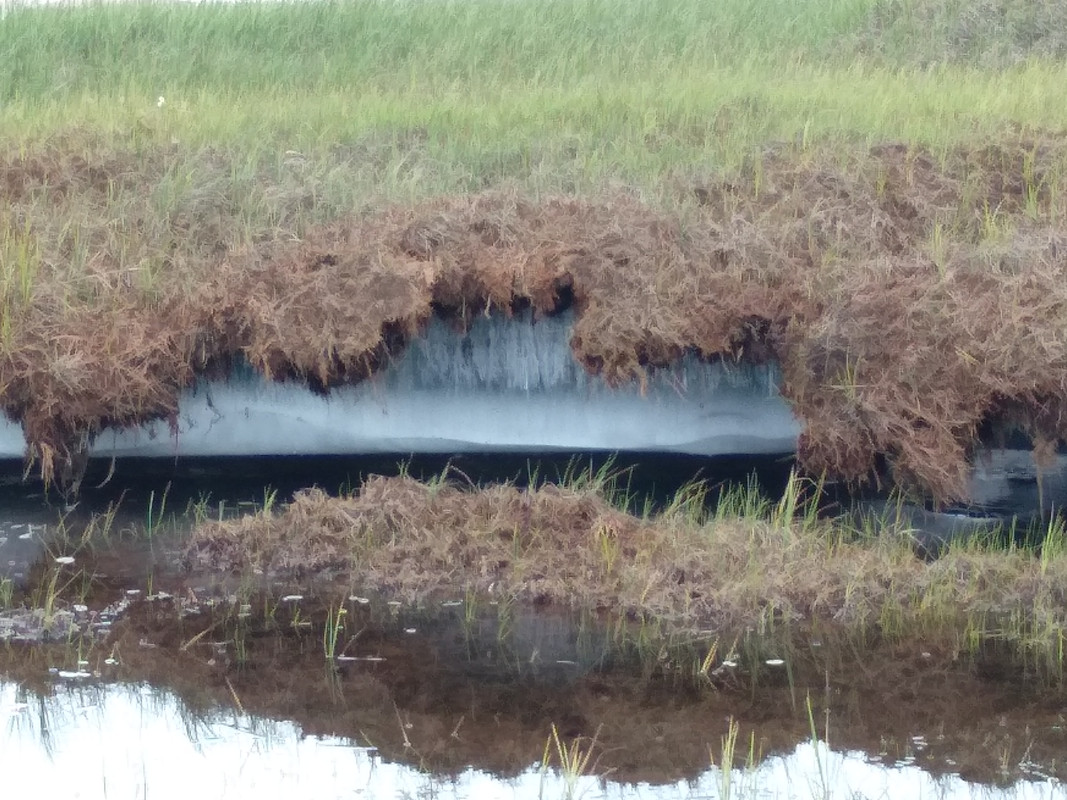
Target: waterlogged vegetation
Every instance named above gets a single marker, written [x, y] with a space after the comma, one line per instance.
[750, 564]
[546, 699]
[439, 628]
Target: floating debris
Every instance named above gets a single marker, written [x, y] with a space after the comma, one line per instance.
[774, 662]
[65, 560]
[357, 599]
[410, 630]
[292, 598]
[35, 625]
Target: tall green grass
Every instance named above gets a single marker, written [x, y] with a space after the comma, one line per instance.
[408, 99]
[320, 44]
[305, 46]
[574, 137]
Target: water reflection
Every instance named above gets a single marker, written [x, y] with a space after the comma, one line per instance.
[128, 740]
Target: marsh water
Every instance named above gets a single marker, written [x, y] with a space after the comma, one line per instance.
[153, 681]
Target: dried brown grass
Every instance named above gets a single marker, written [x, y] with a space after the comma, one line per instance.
[910, 299]
[562, 546]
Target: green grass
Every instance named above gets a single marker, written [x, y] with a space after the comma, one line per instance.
[315, 46]
[369, 101]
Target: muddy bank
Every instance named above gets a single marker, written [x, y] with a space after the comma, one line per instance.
[751, 564]
[912, 300]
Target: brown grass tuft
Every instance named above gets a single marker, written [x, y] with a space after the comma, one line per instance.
[571, 547]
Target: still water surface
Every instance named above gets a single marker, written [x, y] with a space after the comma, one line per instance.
[118, 741]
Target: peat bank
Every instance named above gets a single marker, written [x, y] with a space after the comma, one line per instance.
[833, 232]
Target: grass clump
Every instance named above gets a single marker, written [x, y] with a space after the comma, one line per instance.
[571, 547]
[987, 33]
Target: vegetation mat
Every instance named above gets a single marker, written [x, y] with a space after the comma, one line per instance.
[869, 192]
[750, 566]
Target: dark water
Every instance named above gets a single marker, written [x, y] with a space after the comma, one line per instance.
[650, 477]
[139, 492]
